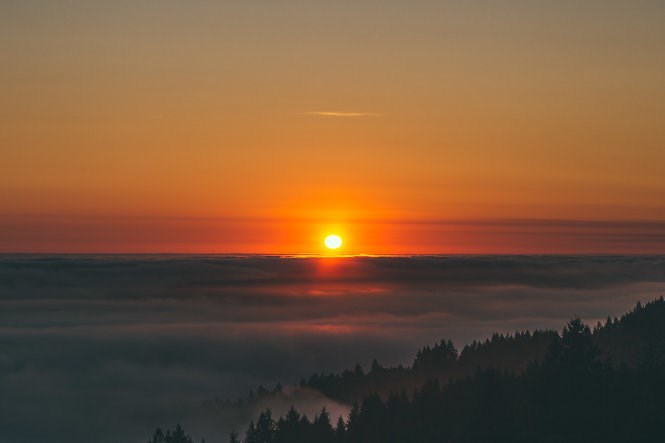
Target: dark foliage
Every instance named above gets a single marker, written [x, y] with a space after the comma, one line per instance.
[509, 353]
[577, 386]
[607, 385]
[178, 435]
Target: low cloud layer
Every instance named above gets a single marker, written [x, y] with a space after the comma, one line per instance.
[105, 348]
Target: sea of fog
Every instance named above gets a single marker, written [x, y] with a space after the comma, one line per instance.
[106, 348]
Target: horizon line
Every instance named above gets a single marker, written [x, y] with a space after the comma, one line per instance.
[324, 255]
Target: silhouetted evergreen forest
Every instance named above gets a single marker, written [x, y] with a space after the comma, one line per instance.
[600, 385]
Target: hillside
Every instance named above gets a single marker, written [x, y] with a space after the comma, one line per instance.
[605, 384]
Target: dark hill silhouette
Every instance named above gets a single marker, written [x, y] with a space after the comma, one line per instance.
[576, 386]
[510, 353]
[625, 341]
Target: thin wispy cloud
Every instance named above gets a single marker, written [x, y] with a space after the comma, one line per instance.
[343, 114]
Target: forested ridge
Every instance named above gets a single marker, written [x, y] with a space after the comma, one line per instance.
[605, 383]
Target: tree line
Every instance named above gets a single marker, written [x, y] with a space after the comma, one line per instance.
[605, 384]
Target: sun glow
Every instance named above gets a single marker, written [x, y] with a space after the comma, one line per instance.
[333, 241]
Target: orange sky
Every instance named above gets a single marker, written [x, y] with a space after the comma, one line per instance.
[166, 126]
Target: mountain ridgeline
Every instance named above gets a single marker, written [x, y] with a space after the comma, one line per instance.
[602, 384]
[625, 341]
[441, 362]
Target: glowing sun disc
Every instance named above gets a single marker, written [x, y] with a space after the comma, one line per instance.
[333, 241]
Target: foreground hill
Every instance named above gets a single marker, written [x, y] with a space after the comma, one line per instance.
[627, 341]
[605, 384]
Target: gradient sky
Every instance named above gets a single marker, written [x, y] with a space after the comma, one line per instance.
[259, 126]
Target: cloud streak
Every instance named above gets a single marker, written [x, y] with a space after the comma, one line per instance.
[377, 236]
[343, 114]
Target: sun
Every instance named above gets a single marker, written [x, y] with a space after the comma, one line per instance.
[333, 241]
